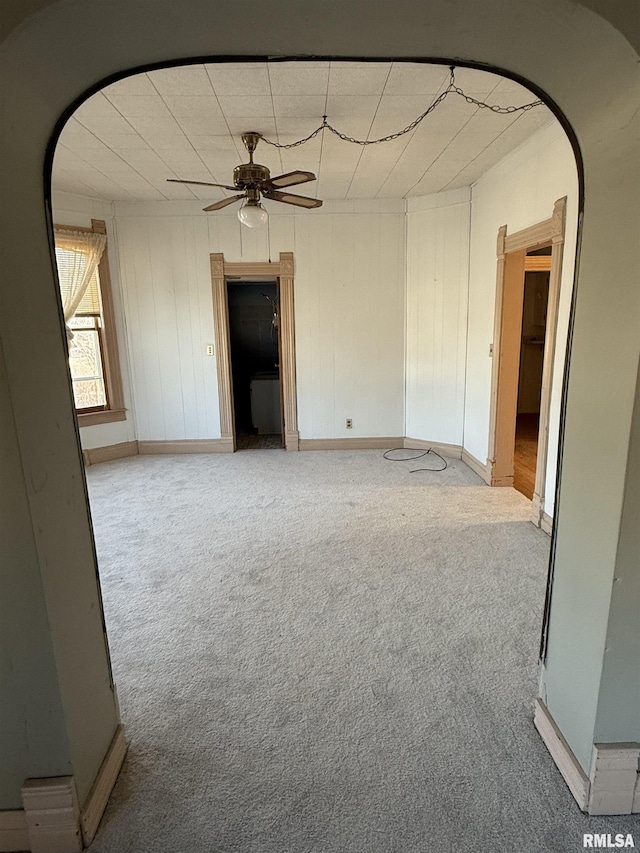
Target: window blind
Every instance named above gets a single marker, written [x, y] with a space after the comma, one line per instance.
[71, 266]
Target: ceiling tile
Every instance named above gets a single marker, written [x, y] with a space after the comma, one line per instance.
[246, 105]
[96, 105]
[292, 129]
[403, 107]
[339, 156]
[124, 140]
[233, 82]
[192, 107]
[344, 107]
[134, 106]
[485, 121]
[146, 125]
[137, 84]
[212, 143]
[188, 81]
[357, 79]
[476, 82]
[74, 135]
[266, 125]
[297, 78]
[107, 124]
[411, 78]
[299, 106]
[203, 126]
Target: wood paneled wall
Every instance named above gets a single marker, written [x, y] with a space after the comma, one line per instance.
[437, 282]
[349, 313]
[518, 192]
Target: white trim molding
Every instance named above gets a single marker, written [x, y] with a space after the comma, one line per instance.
[614, 778]
[102, 786]
[371, 443]
[483, 471]
[565, 760]
[188, 445]
[52, 815]
[453, 451]
[14, 836]
[109, 452]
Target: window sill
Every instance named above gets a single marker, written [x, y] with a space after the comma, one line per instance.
[107, 417]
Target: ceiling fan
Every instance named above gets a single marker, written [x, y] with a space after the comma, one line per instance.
[255, 181]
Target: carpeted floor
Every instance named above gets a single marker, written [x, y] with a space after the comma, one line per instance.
[320, 652]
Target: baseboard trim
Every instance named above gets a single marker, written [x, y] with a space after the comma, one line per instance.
[614, 779]
[546, 523]
[103, 785]
[566, 762]
[189, 445]
[372, 443]
[476, 466]
[109, 452]
[14, 835]
[292, 440]
[52, 815]
[453, 451]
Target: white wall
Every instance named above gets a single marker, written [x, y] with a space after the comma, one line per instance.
[77, 210]
[349, 312]
[517, 192]
[437, 283]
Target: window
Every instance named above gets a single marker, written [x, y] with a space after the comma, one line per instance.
[83, 273]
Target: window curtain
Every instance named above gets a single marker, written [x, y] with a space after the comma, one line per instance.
[78, 254]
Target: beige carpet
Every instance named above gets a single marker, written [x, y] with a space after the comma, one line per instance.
[320, 652]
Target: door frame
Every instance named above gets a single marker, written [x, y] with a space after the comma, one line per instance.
[283, 270]
[512, 265]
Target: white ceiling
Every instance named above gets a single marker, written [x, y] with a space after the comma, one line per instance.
[186, 122]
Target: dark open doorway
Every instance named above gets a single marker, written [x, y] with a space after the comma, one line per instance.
[255, 363]
[534, 319]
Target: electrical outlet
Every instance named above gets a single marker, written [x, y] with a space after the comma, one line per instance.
[349, 423]
[209, 349]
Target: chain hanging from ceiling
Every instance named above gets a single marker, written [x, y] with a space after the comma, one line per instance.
[451, 89]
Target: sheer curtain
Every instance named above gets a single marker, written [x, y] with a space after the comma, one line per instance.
[78, 254]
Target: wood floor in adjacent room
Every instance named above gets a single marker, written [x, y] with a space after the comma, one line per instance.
[526, 454]
[321, 652]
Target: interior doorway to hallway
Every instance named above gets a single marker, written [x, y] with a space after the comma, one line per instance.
[255, 363]
[532, 338]
[523, 349]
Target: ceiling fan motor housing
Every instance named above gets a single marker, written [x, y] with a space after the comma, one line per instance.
[250, 174]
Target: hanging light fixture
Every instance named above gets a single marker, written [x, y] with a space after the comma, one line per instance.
[252, 214]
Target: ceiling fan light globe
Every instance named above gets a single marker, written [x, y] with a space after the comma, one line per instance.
[253, 215]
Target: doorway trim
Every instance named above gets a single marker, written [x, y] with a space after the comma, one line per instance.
[511, 253]
[284, 271]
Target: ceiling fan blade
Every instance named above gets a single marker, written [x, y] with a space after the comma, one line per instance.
[289, 198]
[291, 178]
[218, 205]
[200, 183]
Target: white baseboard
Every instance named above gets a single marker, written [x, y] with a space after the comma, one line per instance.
[14, 836]
[614, 778]
[109, 452]
[103, 785]
[546, 523]
[453, 451]
[371, 443]
[476, 466]
[189, 445]
[52, 815]
[565, 760]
